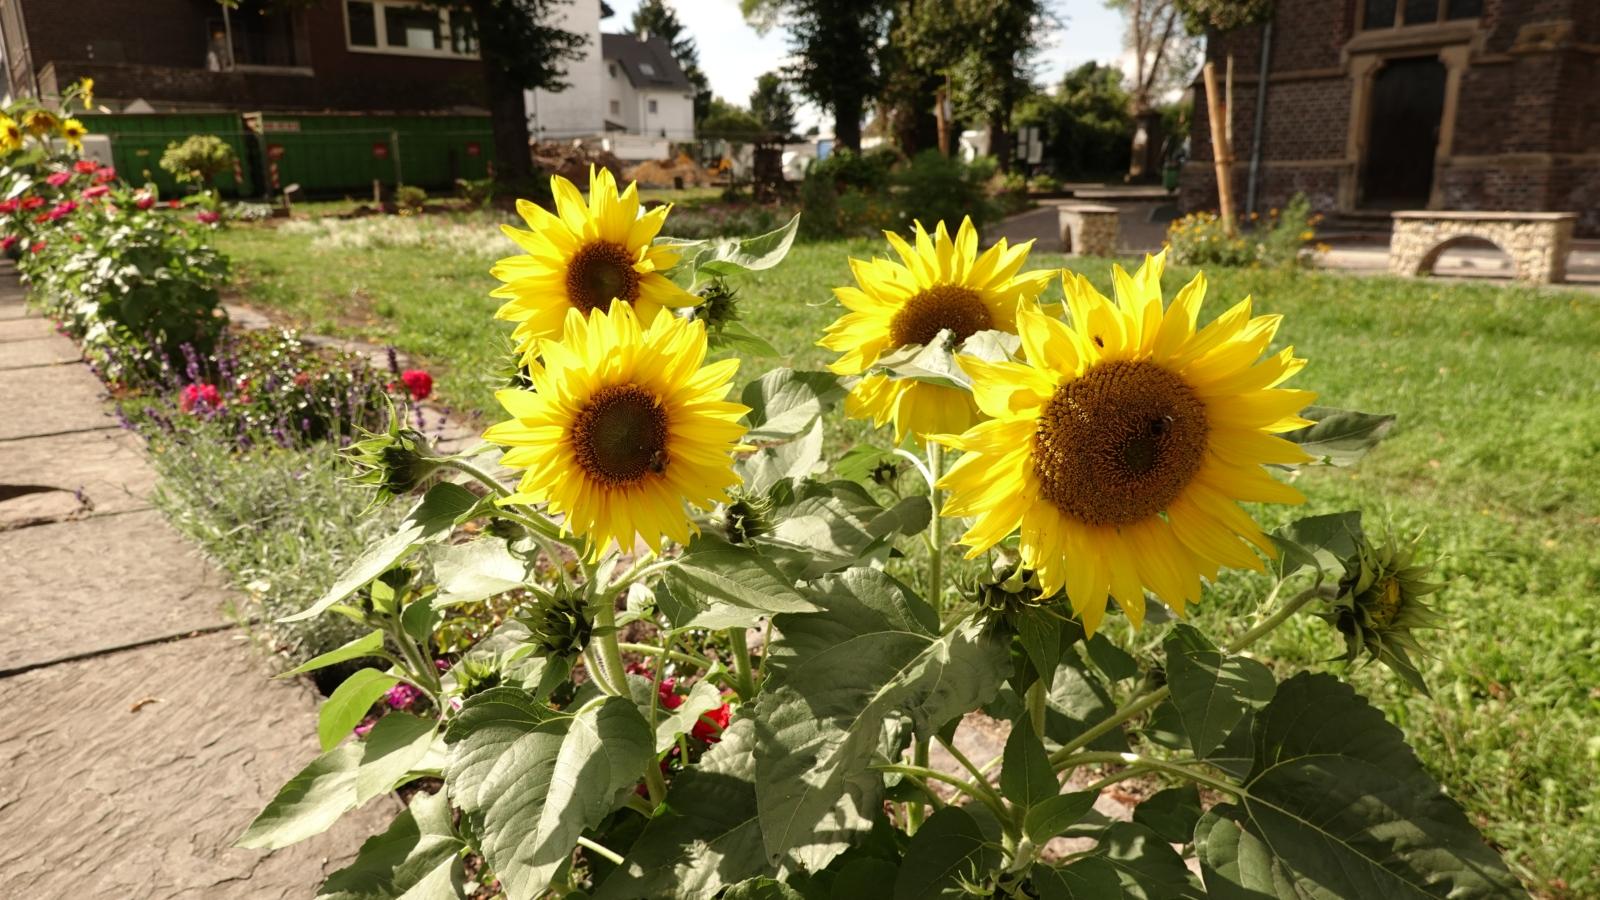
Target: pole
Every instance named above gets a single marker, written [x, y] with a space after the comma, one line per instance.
[1261, 119]
[1220, 150]
[227, 27]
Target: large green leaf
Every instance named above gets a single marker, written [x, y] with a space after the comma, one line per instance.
[834, 679]
[762, 889]
[784, 403]
[364, 646]
[732, 256]
[708, 837]
[430, 520]
[947, 851]
[1336, 806]
[1026, 776]
[1090, 878]
[419, 857]
[481, 568]
[703, 698]
[795, 459]
[1054, 815]
[1210, 691]
[1340, 437]
[311, 802]
[714, 575]
[1320, 543]
[533, 782]
[349, 702]
[397, 743]
[1170, 813]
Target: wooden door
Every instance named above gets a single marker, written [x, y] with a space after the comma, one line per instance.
[1403, 133]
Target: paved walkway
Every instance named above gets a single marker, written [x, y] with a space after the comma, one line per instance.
[141, 731]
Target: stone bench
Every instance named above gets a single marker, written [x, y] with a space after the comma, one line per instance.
[1537, 242]
[1088, 229]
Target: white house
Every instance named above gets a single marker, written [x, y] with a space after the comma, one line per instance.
[627, 92]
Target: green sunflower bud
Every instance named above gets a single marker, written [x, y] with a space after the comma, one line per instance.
[1380, 603]
[474, 676]
[718, 304]
[559, 625]
[1008, 590]
[396, 460]
[747, 516]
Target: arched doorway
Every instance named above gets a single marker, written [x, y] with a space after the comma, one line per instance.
[1403, 133]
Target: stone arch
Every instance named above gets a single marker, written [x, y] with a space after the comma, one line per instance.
[1537, 243]
[1430, 260]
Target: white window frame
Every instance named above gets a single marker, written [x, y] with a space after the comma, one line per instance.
[382, 33]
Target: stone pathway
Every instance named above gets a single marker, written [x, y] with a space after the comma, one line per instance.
[141, 730]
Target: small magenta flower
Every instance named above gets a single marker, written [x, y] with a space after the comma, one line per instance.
[199, 396]
[144, 200]
[207, 217]
[402, 695]
[98, 190]
[365, 726]
[57, 179]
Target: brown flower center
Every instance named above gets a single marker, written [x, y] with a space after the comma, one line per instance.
[621, 435]
[1119, 444]
[943, 306]
[599, 273]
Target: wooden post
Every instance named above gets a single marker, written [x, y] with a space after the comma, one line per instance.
[1221, 151]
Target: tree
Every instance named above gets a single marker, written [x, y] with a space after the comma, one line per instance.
[1224, 15]
[927, 38]
[1163, 52]
[657, 18]
[520, 51]
[772, 105]
[995, 72]
[730, 122]
[1086, 122]
[836, 46]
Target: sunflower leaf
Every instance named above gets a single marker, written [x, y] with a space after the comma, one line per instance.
[717, 579]
[1211, 691]
[947, 851]
[309, 804]
[834, 679]
[1320, 543]
[417, 858]
[1340, 437]
[784, 403]
[1335, 804]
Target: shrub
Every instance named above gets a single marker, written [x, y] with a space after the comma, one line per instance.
[934, 187]
[477, 191]
[846, 169]
[1199, 239]
[410, 199]
[200, 158]
[1044, 183]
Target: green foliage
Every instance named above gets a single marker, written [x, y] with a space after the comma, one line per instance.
[656, 18]
[1087, 126]
[199, 158]
[835, 44]
[410, 199]
[772, 106]
[934, 188]
[1224, 15]
[1277, 240]
[730, 122]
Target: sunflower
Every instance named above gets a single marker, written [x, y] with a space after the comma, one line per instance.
[40, 122]
[583, 256]
[622, 427]
[938, 285]
[73, 131]
[1123, 444]
[10, 135]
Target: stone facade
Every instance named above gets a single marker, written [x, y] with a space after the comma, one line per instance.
[1537, 243]
[1519, 130]
[1088, 229]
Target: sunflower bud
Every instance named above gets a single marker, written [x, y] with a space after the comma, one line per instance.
[718, 305]
[1380, 602]
[559, 624]
[747, 516]
[474, 676]
[1008, 590]
[396, 461]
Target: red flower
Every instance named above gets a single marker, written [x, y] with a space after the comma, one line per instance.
[85, 166]
[418, 382]
[670, 698]
[37, 247]
[207, 217]
[7, 243]
[301, 379]
[174, 204]
[98, 190]
[144, 200]
[709, 726]
[10, 206]
[57, 179]
[105, 175]
[199, 395]
[32, 202]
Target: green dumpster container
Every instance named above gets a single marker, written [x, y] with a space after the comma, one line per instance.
[335, 153]
[139, 139]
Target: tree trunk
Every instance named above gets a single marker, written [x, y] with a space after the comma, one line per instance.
[847, 122]
[941, 99]
[1000, 142]
[508, 121]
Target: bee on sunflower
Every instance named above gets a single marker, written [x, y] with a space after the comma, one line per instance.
[583, 256]
[940, 283]
[625, 424]
[1122, 445]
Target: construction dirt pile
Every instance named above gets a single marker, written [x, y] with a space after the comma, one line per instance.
[666, 173]
[572, 160]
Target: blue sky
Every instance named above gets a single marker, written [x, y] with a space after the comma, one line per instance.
[733, 55]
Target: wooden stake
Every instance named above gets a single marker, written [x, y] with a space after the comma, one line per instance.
[1221, 151]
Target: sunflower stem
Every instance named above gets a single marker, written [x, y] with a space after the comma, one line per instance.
[489, 481]
[914, 809]
[1158, 765]
[605, 620]
[739, 647]
[935, 528]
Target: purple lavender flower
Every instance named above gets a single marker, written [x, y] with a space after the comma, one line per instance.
[394, 360]
[402, 695]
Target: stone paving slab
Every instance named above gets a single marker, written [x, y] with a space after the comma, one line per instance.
[130, 776]
[14, 309]
[45, 351]
[90, 586]
[50, 400]
[25, 329]
[92, 473]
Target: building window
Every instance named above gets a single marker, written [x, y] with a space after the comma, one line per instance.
[647, 69]
[406, 27]
[612, 68]
[1395, 13]
[652, 107]
[616, 107]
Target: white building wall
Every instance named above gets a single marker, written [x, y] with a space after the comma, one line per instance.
[621, 104]
[673, 118]
[579, 110]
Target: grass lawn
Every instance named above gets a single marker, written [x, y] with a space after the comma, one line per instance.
[1496, 455]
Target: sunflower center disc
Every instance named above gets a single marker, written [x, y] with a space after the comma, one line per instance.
[621, 435]
[935, 309]
[1119, 444]
[599, 273]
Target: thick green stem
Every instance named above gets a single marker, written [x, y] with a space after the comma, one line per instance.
[659, 652]
[1139, 704]
[489, 481]
[605, 622]
[988, 798]
[739, 647]
[914, 810]
[935, 529]
[600, 850]
[1159, 765]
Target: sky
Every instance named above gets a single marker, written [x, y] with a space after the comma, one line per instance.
[733, 55]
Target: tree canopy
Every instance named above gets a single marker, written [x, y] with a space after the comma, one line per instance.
[655, 17]
[772, 105]
[836, 44]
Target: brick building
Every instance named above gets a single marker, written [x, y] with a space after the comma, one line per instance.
[174, 55]
[1376, 105]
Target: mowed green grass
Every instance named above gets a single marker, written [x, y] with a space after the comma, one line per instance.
[1495, 460]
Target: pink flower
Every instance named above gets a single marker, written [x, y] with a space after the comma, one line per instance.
[207, 217]
[98, 190]
[85, 166]
[402, 696]
[57, 179]
[669, 697]
[418, 382]
[10, 206]
[144, 200]
[709, 726]
[365, 726]
[202, 396]
[105, 175]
